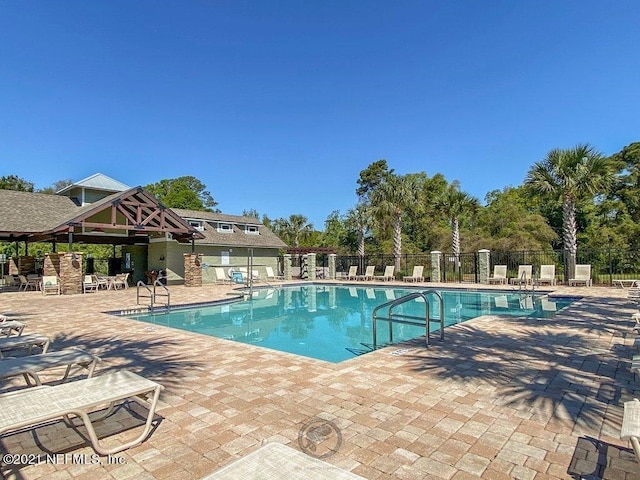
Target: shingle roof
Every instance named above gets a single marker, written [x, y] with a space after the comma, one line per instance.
[98, 181]
[29, 212]
[265, 238]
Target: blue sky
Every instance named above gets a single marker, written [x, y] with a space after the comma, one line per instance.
[278, 106]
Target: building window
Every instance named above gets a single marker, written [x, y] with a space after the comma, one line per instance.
[251, 230]
[225, 227]
[197, 224]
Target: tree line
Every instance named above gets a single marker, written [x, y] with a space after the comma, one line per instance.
[571, 197]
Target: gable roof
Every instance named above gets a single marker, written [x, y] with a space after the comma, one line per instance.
[97, 181]
[42, 217]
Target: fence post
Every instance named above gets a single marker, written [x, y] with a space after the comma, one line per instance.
[332, 266]
[484, 260]
[286, 260]
[311, 267]
[435, 266]
[610, 264]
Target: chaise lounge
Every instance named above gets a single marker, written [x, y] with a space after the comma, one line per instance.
[35, 406]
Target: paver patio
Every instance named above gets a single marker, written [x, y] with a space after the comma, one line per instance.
[499, 398]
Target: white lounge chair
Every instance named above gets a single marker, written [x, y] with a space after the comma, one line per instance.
[121, 280]
[27, 283]
[582, 276]
[24, 341]
[416, 276]
[30, 365]
[387, 276]
[547, 275]
[630, 430]
[7, 327]
[353, 273]
[34, 406]
[499, 275]
[221, 276]
[524, 275]
[368, 273]
[272, 276]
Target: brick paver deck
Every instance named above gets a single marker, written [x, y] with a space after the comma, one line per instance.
[499, 398]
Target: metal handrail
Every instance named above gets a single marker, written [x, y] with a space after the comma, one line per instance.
[158, 283]
[409, 319]
[138, 296]
[152, 294]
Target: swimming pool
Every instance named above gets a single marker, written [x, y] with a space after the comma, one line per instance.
[334, 323]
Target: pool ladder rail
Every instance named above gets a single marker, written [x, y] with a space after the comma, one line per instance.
[404, 319]
[152, 294]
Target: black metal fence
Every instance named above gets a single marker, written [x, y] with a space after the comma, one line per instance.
[607, 265]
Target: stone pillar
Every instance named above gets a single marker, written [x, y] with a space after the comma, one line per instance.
[70, 272]
[332, 266]
[26, 265]
[192, 270]
[286, 260]
[484, 257]
[436, 258]
[51, 264]
[311, 266]
[13, 266]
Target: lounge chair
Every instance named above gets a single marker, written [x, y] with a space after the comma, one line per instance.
[547, 275]
[8, 327]
[499, 275]
[272, 276]
[368, 273]
[24, 341]
[387, 276]
[582, 276]
[416, 276]
[29, 366]
[353, 273]
[524, 275]
[50, 285]
[90, 283]
[630, 430]
[34, 406]
[221, 276]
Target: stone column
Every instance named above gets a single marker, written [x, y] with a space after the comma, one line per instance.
[51, 264]
[436, 256]
[70, 267]
[192, 270]
[311, 266]
[484, 257]
[332, 266]
[26, 264]
[286, 260]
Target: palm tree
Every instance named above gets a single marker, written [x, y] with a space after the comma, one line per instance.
[456, 204]
[568, 175]
[389, 201]
[359, 219]
[293, 229]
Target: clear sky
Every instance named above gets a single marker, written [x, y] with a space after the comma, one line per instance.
[278, 105]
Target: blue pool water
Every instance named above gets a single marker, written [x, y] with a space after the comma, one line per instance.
[334, 323]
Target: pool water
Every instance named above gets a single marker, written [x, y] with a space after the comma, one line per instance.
[334, 323]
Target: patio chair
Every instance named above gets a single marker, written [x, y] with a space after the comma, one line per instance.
[368, 273]
[630, 430]
[121, 280]
[272, 276]
[27, 283]
[547, 275]
[582, 276]
[524, 275]
[35, 406]
[90, 283]
[388, 274]
[353, 273]
[221, 276]
[29, 366]
[50, 285]
[24, 341]
[416, 276]
[499, 274]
